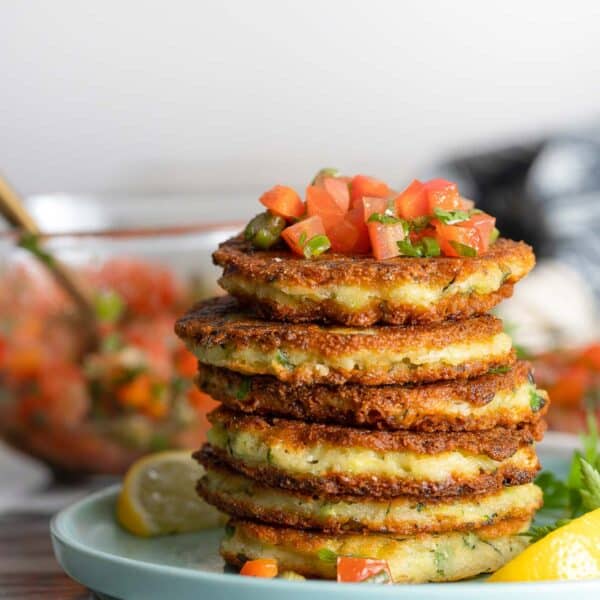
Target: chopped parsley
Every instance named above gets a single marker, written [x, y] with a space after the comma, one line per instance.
[243, 389]
[568, 499]
[536, 402]
[326, 555]
[451, 217]
[427, 246]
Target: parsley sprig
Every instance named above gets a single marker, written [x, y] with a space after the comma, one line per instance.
[568, 499]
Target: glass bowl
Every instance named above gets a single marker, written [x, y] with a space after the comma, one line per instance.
[94, 411]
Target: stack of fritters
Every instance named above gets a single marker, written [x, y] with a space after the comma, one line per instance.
[408, 439]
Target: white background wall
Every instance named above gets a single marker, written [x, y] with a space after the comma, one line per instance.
[200, 96]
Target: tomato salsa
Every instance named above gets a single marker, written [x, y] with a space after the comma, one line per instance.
[96, 411]
[363, 215]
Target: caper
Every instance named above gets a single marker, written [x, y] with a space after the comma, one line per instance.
[264, 230]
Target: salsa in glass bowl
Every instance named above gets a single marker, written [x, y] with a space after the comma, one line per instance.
[95, 411]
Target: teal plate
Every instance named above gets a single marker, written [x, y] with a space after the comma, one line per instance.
[95, 551]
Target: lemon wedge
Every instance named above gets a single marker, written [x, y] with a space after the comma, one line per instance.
[570, 552]
[159, 496]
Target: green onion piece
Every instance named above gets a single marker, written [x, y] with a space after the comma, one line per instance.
[463, 249]
[316, 245]
[327, 556]
[283, 359]
[302, 239]
[109, 306]
[327, 172]
[494, 235]
[264, 230]
[431, 246]
[428, 246]
[498, 370]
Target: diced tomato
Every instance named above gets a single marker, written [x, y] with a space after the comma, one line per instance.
[413, 201]
[261, 567]
[283, 201]
[484, 225]
[354, 570]
[442, 194]
[338, 190]
[320, 203]
[591, 357]
[384, 239]
[356, 216]
[467, 236]
[136, 393]
[343, 236]
[570, 388]
[297, 235]
[362, 185]
[185, 362]
[371, 206]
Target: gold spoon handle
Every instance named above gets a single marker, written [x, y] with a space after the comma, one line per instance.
[13, 210]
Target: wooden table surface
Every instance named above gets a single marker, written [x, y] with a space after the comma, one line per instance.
[28, 569]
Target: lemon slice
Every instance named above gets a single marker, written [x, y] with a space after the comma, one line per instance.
[159, 496]
[570, 552]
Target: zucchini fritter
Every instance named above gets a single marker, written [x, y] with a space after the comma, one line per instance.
[360, 290]
[427, 557]
[495, 399]
[222, 334]
[242, 497]
[340, 460]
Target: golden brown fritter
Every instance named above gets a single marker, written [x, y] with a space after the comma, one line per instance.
[496, 399]
[498, 443]
[328, 459]
[244, 498]
[360, 290]
[427, 557]
[222, 334]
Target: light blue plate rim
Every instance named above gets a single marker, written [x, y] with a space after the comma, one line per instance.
[100, 571]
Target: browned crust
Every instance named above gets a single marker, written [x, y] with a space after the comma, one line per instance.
[456, 306]
[244, 507]
[370, 485]
[310, 542]
[499, 443]
[280, 267]
[380, 407]
[237, 256]
[222, 322]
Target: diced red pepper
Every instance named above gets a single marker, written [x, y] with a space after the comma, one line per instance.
[355, 570]
[283, 201]
[385, 238]
[413, 202]
[362, 186]
[297, 235]
[320, 203]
